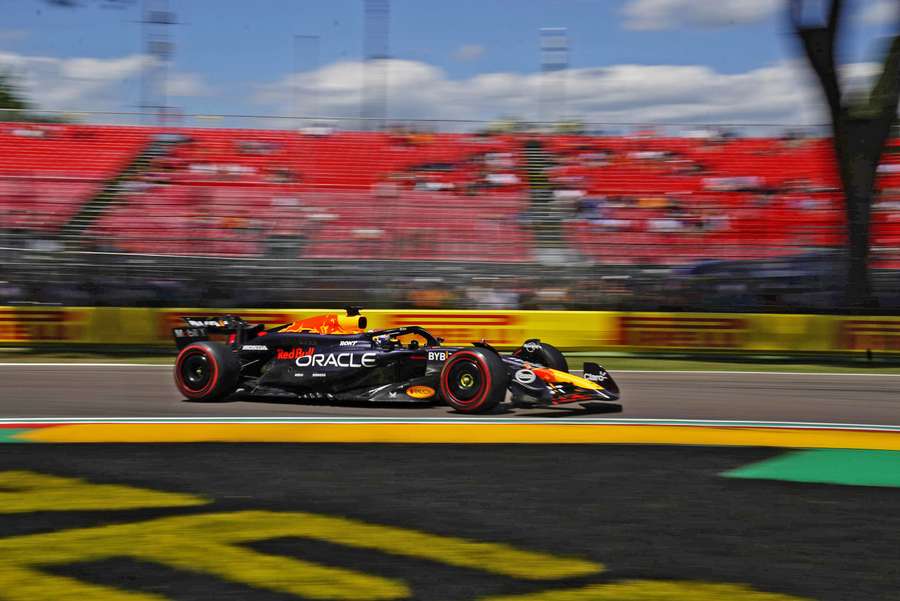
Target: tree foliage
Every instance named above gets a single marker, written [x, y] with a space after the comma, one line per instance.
[861, 125]
[9, 96]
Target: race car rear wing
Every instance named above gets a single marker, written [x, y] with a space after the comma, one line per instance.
[199, 328]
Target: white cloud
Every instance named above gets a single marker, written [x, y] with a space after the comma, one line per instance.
[185, 85]
[878, 12]
[469, 52]
[90, 84]
[72, 83]
[672, 14]
[780, 93]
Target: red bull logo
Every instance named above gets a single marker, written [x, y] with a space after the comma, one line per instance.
[294, 353]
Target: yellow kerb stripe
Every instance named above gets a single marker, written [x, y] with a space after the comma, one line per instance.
[468, 433]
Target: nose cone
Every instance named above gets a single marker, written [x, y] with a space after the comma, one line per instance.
[556, 376]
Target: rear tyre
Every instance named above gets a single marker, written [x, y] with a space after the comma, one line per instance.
[206, 371]
[474, 380]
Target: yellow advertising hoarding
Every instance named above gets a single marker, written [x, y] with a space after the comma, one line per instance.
[569, 330]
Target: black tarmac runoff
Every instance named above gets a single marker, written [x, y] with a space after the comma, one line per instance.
[609, 517]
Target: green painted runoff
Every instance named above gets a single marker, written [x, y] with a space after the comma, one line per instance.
[850, 467]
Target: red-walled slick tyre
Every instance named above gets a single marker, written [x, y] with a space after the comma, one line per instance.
[474, 380]
[546, 354]
[550, 356]
[206, 371]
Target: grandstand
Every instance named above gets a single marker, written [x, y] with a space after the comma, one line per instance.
[607, 202]
[47, 172]
[637, 199]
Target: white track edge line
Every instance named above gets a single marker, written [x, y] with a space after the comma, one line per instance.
[463, 421]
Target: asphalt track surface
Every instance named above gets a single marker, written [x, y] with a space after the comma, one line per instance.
[148, 391]
[672, 519]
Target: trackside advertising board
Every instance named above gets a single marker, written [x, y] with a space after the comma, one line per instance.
[569, 330]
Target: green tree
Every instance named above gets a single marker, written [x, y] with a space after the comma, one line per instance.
[9, 96]
[861, 125]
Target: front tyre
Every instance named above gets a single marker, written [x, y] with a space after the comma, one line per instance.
[206, 371]
[550, 356]
[474, 380]
[535, 351]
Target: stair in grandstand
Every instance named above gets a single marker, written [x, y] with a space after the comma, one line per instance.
[537, 162]
[545, 216]
[113, 189]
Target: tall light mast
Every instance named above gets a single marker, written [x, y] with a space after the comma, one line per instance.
[156, 21]
[376, 50]
[554, 46]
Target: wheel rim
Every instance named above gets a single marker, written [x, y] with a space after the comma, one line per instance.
[196, 371]
[465, 380]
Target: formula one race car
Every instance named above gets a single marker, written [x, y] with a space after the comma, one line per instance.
[334, 358]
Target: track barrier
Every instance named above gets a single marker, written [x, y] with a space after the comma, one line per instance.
[569, 330]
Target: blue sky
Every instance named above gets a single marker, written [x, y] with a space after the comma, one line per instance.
[233, 56]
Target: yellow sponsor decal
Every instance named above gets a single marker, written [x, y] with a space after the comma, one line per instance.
[420, 392]
[24, 325]
[568, 330]
[881, 334]
[676, 331]
[464, 327]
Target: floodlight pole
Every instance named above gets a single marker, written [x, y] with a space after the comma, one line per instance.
[554, 47]
[376, 53]
[156, 19]
[314, 93]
